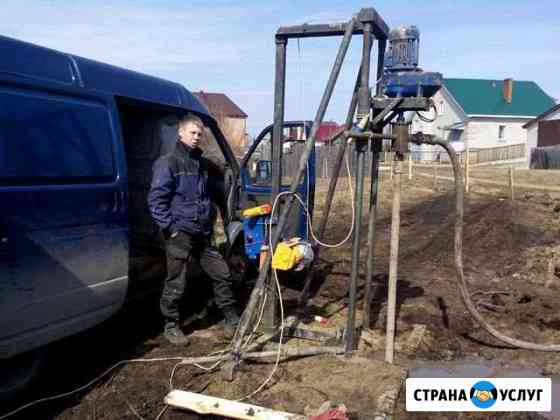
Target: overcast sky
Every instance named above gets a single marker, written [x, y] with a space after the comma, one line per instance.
[228, 46]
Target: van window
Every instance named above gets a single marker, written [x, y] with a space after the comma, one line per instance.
[51, 139]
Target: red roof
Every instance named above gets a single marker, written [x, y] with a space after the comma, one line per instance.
[327, 129]
[219, 104]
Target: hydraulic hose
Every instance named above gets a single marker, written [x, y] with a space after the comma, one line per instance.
[458, 239]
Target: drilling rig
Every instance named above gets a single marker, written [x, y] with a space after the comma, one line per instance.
[400, 87]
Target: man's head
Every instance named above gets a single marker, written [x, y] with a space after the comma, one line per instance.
[191, 130]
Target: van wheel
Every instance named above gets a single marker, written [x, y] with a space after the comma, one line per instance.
[20, 372]
[242, 269]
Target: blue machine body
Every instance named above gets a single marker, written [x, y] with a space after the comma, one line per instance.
[257, 191]
[254, 229]
[403, 78]
[412, 84]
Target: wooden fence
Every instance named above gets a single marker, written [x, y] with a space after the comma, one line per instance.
[325, 158]
[496, 154]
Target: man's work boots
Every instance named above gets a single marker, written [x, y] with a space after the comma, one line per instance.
[174, 335]
[231, 321]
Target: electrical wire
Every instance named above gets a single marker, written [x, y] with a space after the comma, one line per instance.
[249, 338]
[304, 206]
[66, 394]
[278, 354]
[106, 372]
[352, 204]
[173, 374]
[276, 280]
[163, 410]
[426, 119]
[279, 291]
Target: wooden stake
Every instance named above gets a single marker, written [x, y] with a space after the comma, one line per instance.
[467, 158]
[410, 166]
[511, 184]
[551, 278]
[393, 264]
[391, 157]
[204, 404]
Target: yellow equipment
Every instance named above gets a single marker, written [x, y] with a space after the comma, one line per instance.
[258, 211]
[287, 255]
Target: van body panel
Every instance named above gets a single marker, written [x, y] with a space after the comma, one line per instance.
[71, 312]
[32, 61]
[63, 222]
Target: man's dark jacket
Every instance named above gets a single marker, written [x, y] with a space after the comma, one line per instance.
[180, 197]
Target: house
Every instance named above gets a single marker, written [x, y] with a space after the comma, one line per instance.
[544, 130]
[325, 131]
[231, 119]
[482, 113]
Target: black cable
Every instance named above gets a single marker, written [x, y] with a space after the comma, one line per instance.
[458, 243]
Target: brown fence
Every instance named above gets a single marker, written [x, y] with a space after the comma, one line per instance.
[496, 154]
[325, 158]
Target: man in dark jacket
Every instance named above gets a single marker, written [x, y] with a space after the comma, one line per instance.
[180, 200]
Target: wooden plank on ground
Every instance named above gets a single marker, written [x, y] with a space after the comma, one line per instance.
[204, 404]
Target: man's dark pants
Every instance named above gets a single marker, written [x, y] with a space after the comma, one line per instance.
[181, 251]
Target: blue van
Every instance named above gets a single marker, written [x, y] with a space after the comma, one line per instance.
[77, 142]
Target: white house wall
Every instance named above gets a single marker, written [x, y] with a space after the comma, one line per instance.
[552, 116]
[452, 114]
[532, 137]
[483, 132]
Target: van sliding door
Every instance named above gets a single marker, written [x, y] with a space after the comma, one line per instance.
[63, 227]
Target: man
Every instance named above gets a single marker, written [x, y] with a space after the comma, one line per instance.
[180, 202]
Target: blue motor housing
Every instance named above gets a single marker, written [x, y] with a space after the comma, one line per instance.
[403, 78]
[411, 84]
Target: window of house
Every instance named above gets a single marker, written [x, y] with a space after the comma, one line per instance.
[501, 132]
[48, 139]
[441, 107]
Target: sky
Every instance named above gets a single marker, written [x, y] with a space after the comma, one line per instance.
[228, 46]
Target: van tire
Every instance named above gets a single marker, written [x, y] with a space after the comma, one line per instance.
[20, 372]
[242, 268]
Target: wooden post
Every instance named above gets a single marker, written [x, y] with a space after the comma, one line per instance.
[393, 263]
[410, 166]
[551, 278]
[391, 156]
[467, 159]
[511, 184]
[435, 178]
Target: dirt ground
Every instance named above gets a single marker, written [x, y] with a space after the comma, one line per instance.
[510, 264]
